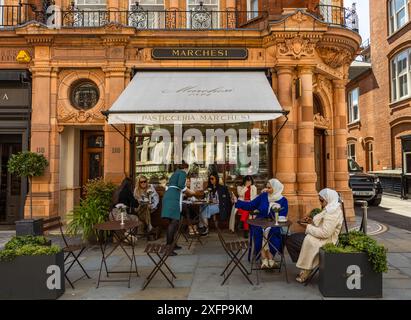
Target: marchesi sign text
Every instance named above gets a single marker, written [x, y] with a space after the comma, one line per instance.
[200, 53]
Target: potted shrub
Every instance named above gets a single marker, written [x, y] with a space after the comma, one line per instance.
[94, 208]
[31, 268]
[28, 164]
[353, 267]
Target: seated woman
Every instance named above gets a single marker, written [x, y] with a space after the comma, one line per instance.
[188, 211]
[221, 202]
[246, 192]
[269, 198]
[324, 228]
[123, 195]
[146, 195]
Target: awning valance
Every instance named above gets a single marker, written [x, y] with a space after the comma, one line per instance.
[195, 97]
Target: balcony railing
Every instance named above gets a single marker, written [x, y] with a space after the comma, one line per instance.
[197, 19]
[337, 16]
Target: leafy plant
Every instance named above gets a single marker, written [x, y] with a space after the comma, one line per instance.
[93, 209]
[28, 164]
[356, 241]
[27, 246]
[314, 212]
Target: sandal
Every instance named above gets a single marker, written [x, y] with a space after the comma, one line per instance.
[303, 276]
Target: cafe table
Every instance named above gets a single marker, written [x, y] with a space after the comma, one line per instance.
[123, 234]
[265, 223]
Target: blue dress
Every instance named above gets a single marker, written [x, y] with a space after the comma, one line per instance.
[262, 204]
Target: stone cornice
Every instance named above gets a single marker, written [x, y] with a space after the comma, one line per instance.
[115, 40]
[39, 39]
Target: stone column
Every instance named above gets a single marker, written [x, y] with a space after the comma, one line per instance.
[341, 175]
[115, 162]
[286, 149]
[306, 175]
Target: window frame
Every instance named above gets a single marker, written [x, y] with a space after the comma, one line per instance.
[405, 162]
[155, 20]
[349, 151]
[351, 106]
[395, 76]
[392, 16]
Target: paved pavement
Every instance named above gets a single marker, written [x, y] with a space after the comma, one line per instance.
[198, 271]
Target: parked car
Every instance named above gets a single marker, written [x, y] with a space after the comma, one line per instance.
[364, 186]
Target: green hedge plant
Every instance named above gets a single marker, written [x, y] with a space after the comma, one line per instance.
[28, 164]
[356, 241]
[27, 246]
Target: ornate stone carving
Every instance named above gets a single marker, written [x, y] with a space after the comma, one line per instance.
[324, 84]
[299, 17]
[321, 122]
[335, 57]
[113, 26]
[68, 114]
[296, 47]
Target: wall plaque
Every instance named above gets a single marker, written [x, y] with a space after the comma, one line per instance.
[199, 53]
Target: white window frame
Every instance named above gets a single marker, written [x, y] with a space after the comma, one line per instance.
[156, 12]
[393, 15]
[193, 4]
[351, 106]
[406, 170]
[395, 76]
[350, 153]
[89, 21]
[252, 12]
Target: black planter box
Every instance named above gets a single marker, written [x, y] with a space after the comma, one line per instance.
[29, 227]
[348, 275]
[27, 277]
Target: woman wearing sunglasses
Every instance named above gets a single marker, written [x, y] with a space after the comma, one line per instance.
[322, 229]
[146, 195]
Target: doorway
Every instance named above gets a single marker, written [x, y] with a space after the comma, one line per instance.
[10, 184]
[320, 158]
[92, 155]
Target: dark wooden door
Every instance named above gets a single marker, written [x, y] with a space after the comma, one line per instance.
[10, 184]
[92, 155]
[320, 159]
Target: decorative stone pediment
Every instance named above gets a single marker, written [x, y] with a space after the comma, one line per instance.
[321, 121]
[300, 20]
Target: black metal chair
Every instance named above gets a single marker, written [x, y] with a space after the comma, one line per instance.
[235, 251]
[162, 252]
[70, 250]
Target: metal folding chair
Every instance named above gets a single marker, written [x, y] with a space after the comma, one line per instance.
[236, 251]
[159, 253]
[70, 250]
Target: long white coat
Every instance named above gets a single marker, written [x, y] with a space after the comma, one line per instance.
[325, 229]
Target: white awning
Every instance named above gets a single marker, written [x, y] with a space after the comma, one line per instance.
[196, 97]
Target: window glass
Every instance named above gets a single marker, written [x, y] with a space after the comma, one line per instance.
[398, 12]
[401, 75]
[148, 14]
[351, 151]
[155, 157]
[91, 13]
[407, 162]
[353, 102]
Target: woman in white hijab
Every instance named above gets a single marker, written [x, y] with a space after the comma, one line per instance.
[325, 228]
[270, 197]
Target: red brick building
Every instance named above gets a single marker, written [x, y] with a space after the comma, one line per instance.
[379, 94]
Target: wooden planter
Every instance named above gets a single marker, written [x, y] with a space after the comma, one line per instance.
[348, 275]
[32, 277]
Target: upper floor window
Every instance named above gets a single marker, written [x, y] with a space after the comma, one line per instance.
[92, 13]
[401, 75]
[147, 14]
[203, 14]
[252, 9]
[353, 109]
[398, 11]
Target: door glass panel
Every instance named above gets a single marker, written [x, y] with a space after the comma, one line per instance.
[95, 165]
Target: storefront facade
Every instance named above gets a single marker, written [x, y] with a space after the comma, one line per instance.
[79, 72]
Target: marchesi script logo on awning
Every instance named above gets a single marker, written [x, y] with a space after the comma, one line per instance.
[200, 53]
[197, 91]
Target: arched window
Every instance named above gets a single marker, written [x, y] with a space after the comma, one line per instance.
[351, 151]
[401, 75]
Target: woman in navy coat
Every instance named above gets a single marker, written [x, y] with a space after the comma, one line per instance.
[269, 198]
